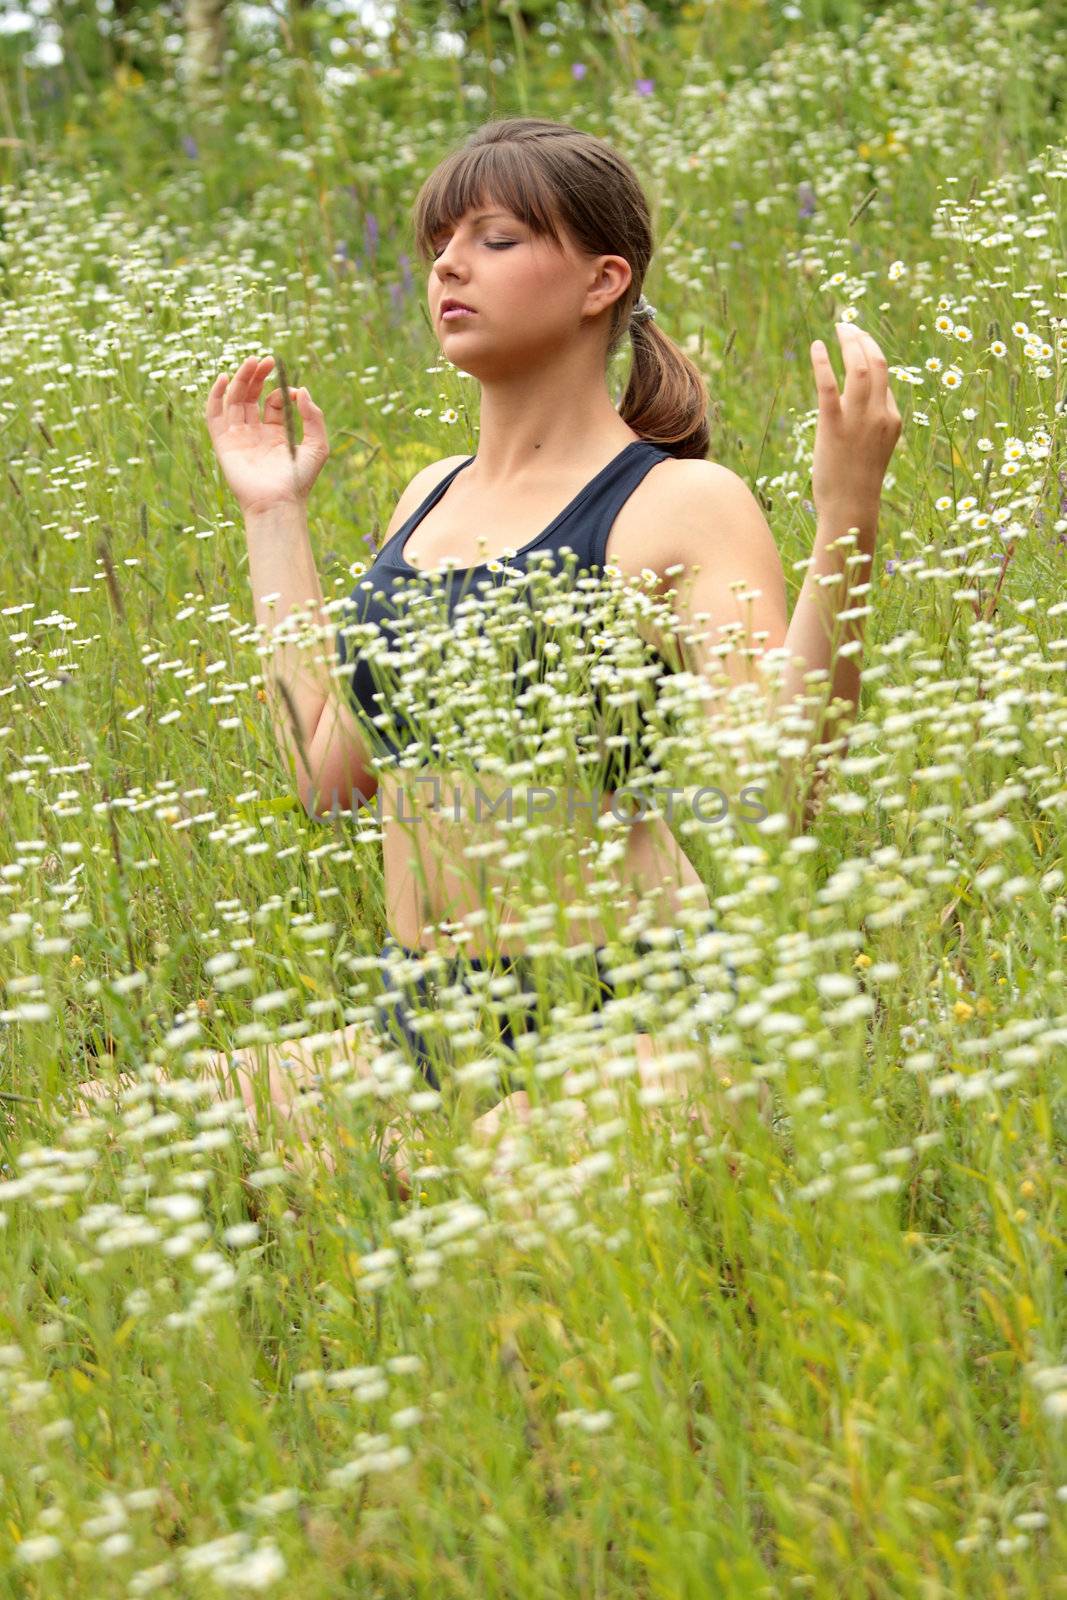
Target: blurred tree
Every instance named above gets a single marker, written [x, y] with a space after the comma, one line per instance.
[488, 23]
[205, 41]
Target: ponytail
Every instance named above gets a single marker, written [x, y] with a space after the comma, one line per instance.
[666, 399]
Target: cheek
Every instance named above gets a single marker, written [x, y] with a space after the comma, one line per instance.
[545, 288]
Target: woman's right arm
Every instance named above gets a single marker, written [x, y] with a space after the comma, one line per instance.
[314, 725]
[271, 477]
[339, 760]
[298, 681]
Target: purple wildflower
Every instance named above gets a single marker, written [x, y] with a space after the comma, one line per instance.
[190, 146]
[370, 228]
[405, 272]
[645, 85]
[806, 198]
[891, 566]
[578, 69]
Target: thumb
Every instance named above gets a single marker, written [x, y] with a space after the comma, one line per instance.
[312, 418]
[305, 405]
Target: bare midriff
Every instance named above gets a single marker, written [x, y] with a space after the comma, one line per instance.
[447, 840]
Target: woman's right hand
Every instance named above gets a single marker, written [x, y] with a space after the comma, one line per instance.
[253, 451]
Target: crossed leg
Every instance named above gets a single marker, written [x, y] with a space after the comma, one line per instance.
[291, 1086]
[292, 1092]
[516, 1108]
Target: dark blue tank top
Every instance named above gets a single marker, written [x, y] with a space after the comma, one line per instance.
[582, 527]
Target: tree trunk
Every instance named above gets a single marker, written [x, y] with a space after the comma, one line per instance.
[205, 40]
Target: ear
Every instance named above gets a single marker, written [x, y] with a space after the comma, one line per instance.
[611, 280]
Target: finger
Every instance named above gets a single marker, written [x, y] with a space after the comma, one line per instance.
[274, 406]
[230, 393]
[253, 387]
[857, 369]
[213, 408]
[825, 382]
[277, 398]
[312, 420]
[237, 393]
[885, 394]
[879, 367]
[235, 386]
[259, 377]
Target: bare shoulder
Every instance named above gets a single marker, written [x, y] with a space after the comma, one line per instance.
[423, 483]
[697, 526]
[704, 514]
[431, 476]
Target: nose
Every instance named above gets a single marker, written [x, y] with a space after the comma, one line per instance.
[451, 255]
[444, 267]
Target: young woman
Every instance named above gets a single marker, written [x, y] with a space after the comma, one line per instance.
[537, 238]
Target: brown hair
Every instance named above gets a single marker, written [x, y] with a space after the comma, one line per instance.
[552, 176]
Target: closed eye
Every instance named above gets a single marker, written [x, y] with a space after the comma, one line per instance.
[497, 244]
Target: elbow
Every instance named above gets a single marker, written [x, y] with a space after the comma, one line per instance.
[321, 806]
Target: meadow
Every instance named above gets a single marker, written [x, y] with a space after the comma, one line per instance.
[801, 1332]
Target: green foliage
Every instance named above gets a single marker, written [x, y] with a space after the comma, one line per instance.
[790, 1320]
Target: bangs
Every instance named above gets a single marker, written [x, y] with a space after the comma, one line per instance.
[483, 178]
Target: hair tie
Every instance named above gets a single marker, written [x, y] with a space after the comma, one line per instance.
[642, 310]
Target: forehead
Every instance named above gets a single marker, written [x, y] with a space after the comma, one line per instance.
[483, 212]
[458, 205]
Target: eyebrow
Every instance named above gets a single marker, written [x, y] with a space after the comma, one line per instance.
[482, 217]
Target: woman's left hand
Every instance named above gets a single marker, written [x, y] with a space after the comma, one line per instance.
[856, 432]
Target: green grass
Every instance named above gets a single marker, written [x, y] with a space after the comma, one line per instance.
[815, 1352]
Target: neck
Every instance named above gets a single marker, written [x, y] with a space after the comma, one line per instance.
[535, 424]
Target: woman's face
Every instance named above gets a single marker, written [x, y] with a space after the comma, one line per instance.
[527, 295]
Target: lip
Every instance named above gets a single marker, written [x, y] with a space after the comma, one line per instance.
[455, 310]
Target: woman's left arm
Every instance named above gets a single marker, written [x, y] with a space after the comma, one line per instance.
[715, 529]
[854, 441]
